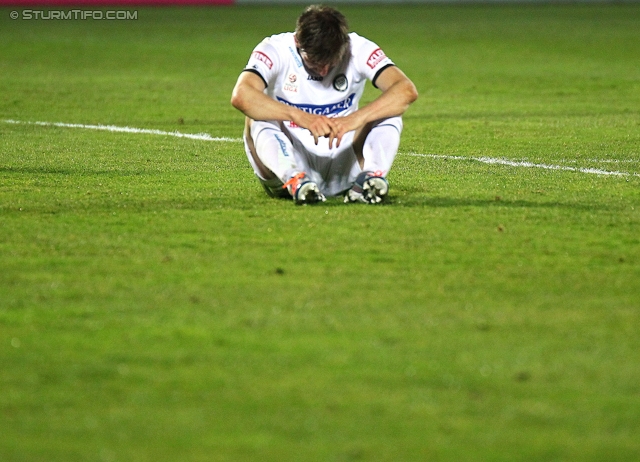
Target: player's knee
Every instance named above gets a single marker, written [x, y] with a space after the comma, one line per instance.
[395, 122]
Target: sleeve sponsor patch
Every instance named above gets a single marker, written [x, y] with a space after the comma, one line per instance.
[260, 56]
[376, 58]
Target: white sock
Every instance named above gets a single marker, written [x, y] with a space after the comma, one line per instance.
[276, 152]
[381, 145]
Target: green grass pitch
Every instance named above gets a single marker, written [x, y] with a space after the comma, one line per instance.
[155, 305]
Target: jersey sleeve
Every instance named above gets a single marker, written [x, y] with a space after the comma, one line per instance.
[264, 61]
[370, 59]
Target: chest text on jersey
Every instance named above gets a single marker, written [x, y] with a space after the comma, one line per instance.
[323, 109]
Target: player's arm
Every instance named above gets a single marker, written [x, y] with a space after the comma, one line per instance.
[398, 92]
[249, 98]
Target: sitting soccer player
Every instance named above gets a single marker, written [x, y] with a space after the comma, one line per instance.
[304, 133]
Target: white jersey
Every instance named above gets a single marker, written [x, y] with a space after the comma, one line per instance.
[277, 60]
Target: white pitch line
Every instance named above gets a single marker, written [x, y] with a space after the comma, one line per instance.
[511, 163]
[602, 161]
[113, 128]
[207, 137]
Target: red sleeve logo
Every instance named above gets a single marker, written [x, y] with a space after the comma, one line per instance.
[375, 58]
[260, 56]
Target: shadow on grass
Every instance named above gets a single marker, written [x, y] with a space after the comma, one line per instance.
[144, 203]
[72, 171]
[451, 202]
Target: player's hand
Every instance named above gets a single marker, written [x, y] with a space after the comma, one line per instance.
[343, 125]
[319, 126]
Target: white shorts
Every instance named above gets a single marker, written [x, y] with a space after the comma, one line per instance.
[333, 169]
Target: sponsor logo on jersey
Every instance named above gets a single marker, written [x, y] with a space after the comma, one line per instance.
[317, 78]
[341, 83]
[323, 109]
[296, 57]
[283, 146]
[375, 58]
[290, 84]
[260, 56]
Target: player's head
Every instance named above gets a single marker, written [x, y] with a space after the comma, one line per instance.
[322, 35]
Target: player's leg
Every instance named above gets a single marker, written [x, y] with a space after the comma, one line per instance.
[271, 155]
[380, 145]
[376, 147]
[267, 164]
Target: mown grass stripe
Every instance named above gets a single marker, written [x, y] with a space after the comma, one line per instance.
[525, 164]
[146, 131]
[207, 137]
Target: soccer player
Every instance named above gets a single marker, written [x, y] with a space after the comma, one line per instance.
[305, 135]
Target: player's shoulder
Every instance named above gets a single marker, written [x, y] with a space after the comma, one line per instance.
[365, 49]
[274, 51]
[367, 57]
[280, 41]
[356, 38]
[359, 42]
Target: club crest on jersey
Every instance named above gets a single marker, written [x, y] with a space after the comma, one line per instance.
[341, 83]
[375, 58]
[291, 84]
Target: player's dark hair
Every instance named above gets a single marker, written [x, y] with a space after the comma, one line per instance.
[323, 33]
